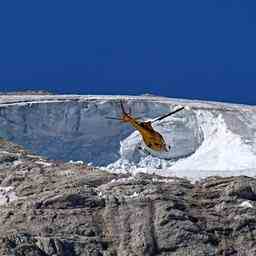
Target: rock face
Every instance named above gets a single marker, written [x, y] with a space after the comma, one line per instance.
[50, 208]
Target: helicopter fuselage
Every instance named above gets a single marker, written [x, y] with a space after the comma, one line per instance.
[151, 138]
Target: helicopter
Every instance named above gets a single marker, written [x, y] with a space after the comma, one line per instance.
[152, 139]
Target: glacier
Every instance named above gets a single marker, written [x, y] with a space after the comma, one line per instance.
[206, 139]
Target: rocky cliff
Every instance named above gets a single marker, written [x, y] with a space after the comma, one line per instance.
[52, 208]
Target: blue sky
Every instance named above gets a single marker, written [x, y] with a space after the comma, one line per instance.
[179, 48]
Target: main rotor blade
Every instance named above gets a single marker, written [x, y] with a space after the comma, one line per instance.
[116, 118]
[169, 114]
[113, 118]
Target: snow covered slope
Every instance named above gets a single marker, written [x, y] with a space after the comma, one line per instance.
[207, 138]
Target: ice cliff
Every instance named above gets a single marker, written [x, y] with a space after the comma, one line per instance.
[207, 138]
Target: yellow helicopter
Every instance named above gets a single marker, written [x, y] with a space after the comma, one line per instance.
[152, 139]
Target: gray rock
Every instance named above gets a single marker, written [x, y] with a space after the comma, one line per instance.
[75, 210]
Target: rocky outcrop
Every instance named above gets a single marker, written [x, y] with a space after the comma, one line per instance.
[51, 208]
